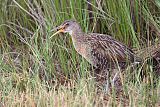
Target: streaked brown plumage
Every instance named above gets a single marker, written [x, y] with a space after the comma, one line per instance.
[102, 51]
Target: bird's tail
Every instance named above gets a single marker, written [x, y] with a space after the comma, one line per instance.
[150, 53]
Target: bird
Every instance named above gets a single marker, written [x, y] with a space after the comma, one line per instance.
[101, 50]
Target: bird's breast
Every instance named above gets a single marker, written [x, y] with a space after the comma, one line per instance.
[84, 51]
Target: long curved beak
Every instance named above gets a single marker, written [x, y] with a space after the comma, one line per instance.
[59, 30]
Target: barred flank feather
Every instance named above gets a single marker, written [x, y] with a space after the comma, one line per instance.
[106, 52]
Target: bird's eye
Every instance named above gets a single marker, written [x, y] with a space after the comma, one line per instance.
[67, 24]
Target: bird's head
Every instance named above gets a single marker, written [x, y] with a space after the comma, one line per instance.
[67, 27]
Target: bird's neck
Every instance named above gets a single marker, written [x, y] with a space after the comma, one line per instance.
[77, 37]
[76, 34]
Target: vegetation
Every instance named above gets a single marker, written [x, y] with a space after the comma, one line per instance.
[38, 71]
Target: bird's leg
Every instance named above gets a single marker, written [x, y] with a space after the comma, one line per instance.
[115, 78]
[116, 81]
[107, 84]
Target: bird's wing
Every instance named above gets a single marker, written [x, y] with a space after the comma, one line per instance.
[106, 48]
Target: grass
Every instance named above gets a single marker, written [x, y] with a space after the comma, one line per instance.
[38, 71]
